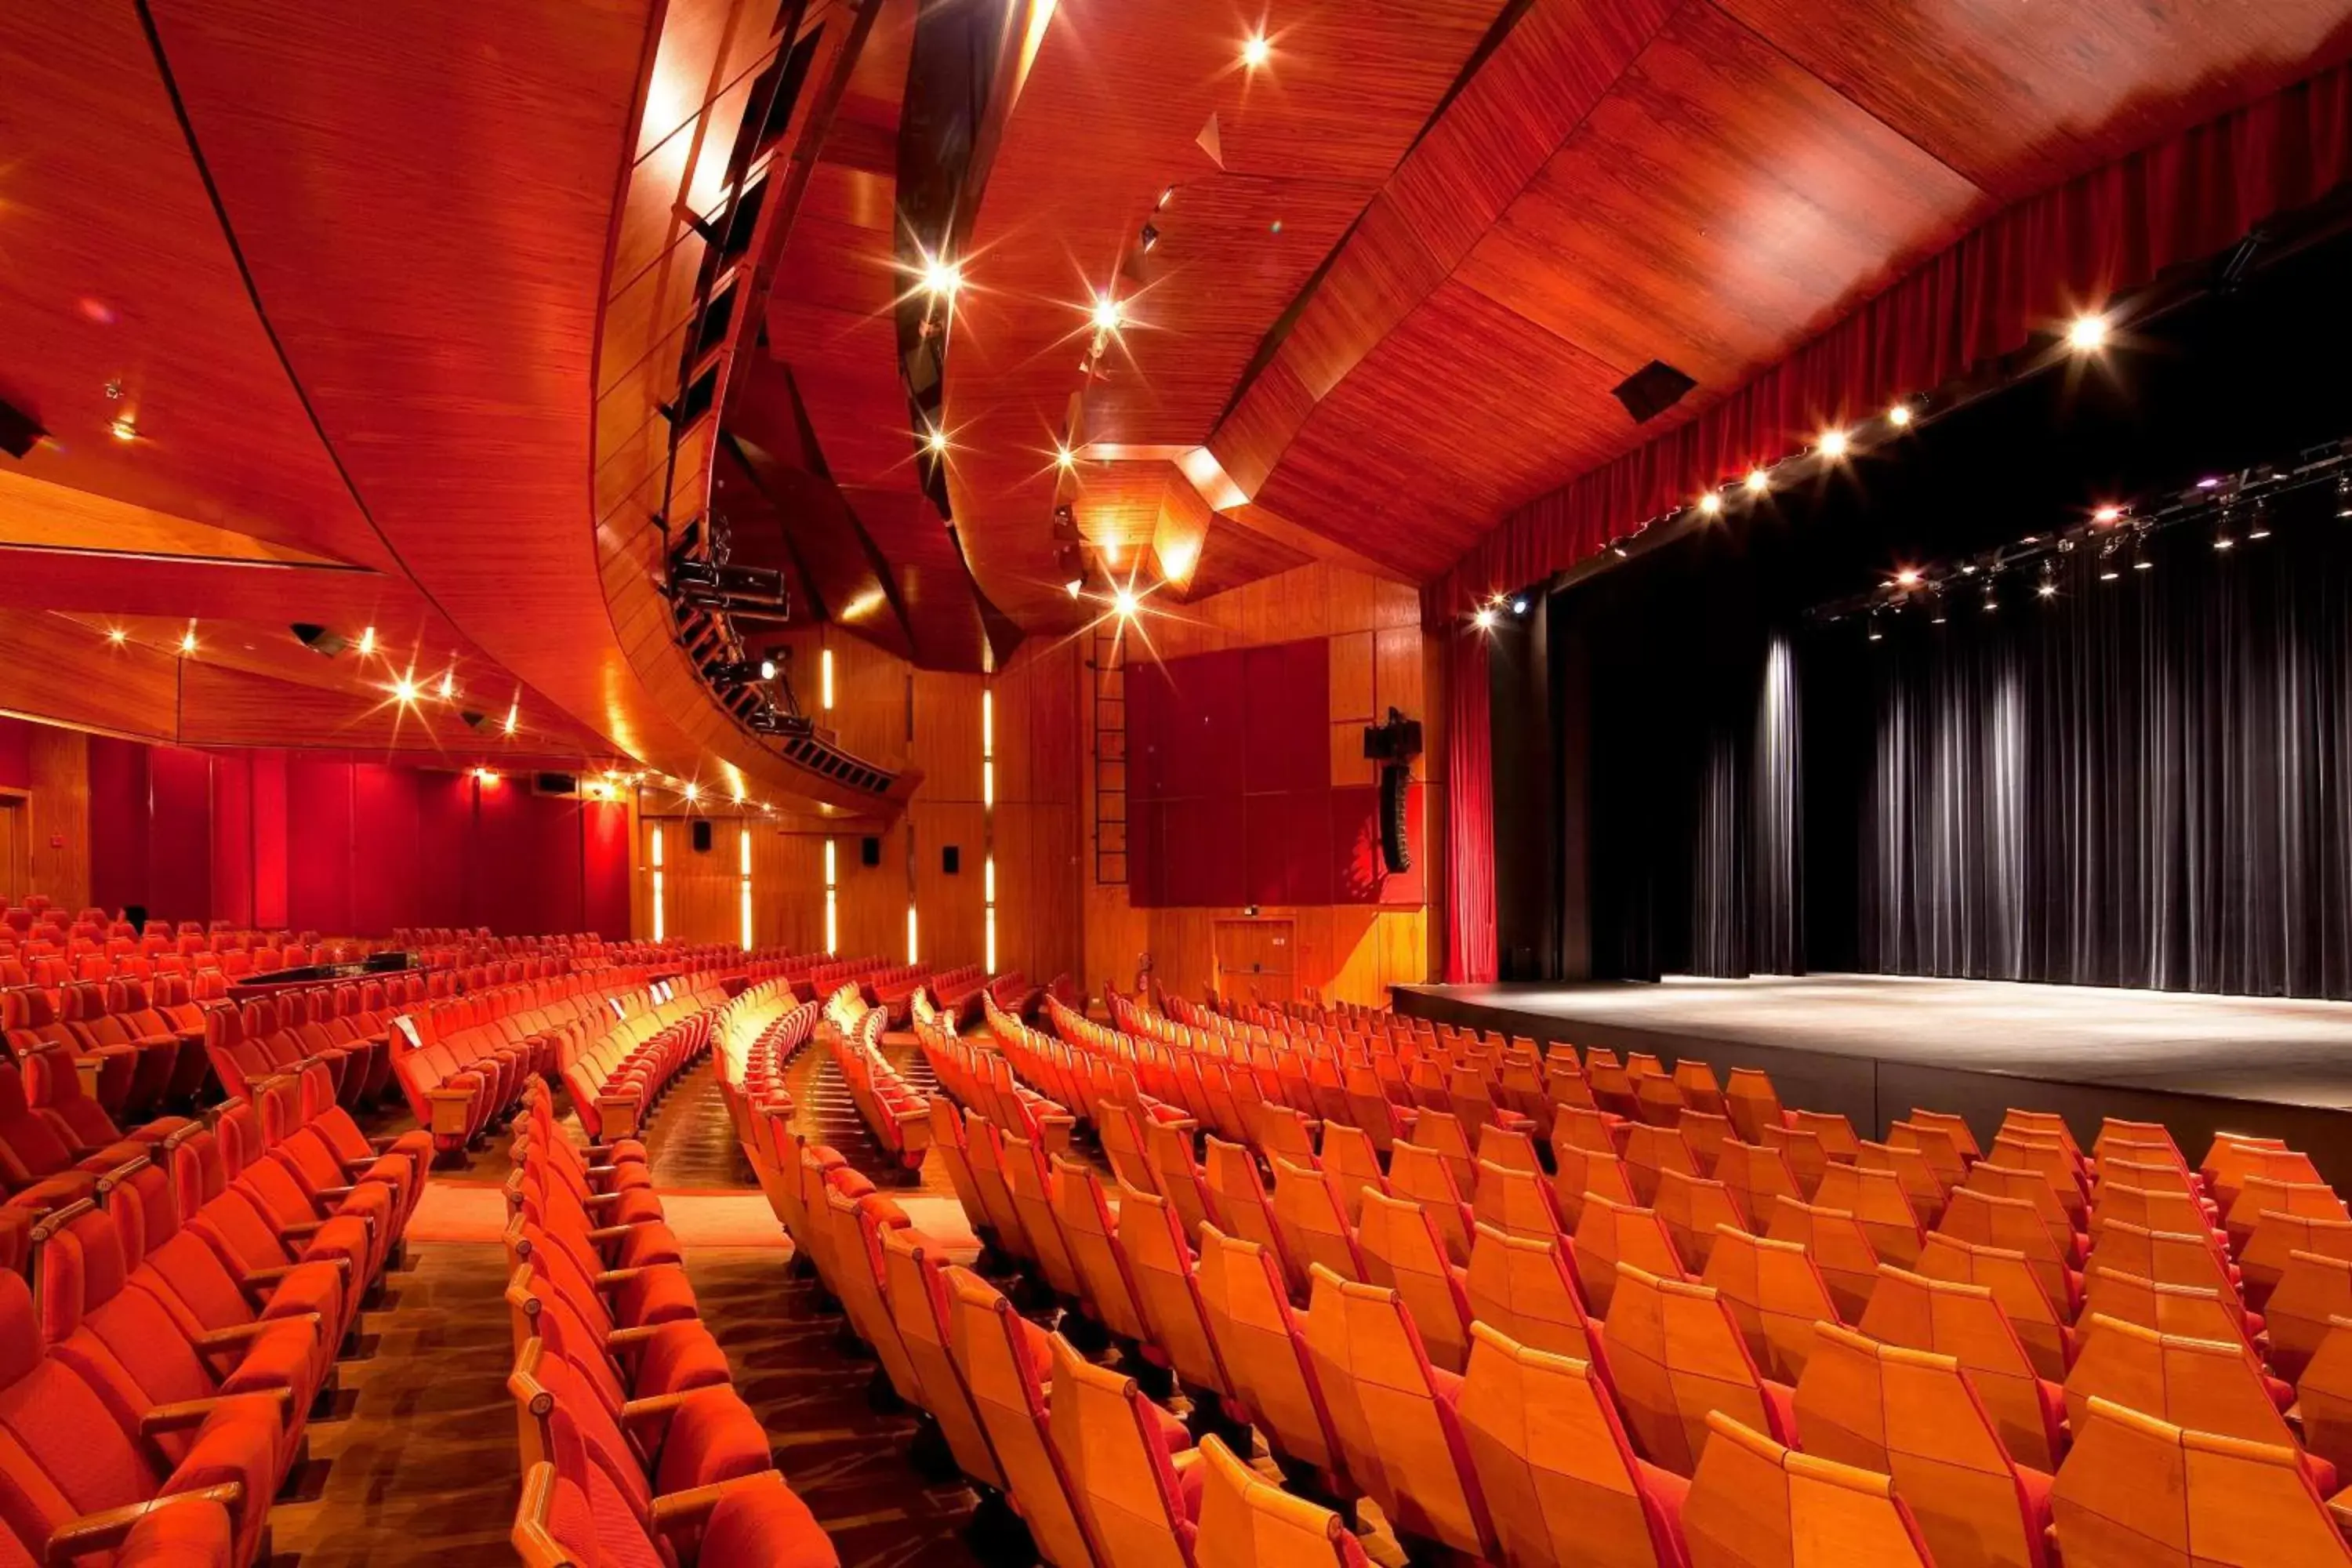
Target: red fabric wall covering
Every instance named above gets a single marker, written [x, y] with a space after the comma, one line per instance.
[319, 839]
[118, 824]
[269, 823]
[232, 840]
[15, 753]
[1230, 800]
[179, 830]
[2030, 268]
[1469, 815]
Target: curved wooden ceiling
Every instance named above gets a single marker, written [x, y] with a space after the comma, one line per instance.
[1709, 182]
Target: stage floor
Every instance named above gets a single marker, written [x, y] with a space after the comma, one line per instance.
[1883, 1042]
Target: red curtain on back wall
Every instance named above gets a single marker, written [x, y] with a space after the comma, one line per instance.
[2029, 268]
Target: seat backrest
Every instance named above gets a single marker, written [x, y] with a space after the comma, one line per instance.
[1675, 1353]
[1261, 1344]
[1313, 1226]
[1089, 1232]
[1249, 1523]
[1403, 1252]
[2137, 1491]
[1914, 1416]
[2207, 1385]
[2017, 1285]
[1609, 1234]
[1422, 1175]
[1004, 1360]
[1756, 1504]
[2187, 1310]
[1691, 1207]
[1965, 1322]
[1402, 1442]
[1879, 1204]
[1554, 1465]
[1776, 1294]
[1527, 1291]
[1521, 1202]
[1751, 1103]
[1160, 1265]
[1651, 1149]
[916, 1284]
[1114, 1454]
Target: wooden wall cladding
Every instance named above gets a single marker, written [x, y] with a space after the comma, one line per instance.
[59, 821]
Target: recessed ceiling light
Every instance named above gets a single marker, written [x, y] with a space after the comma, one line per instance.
[124, 428]
[1109, 314]
[1899, 416]
[1256, 52]
[937, 441]
[1124, 602]
[941, 279]
[117, 635]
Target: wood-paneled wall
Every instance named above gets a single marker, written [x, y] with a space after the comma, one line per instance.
[58, 819]
[901, 717]
[1380, 659]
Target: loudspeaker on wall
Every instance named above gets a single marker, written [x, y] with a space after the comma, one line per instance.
[701, 836]
[869, 851]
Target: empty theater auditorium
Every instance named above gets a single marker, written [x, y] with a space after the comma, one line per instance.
[1176, 784]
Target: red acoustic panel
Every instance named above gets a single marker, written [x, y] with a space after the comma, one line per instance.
[605, 870]
[16, 754]
[232, 835]
[385, 871]
[1288, 847]
[179, 832]
[117, 828]
[1202, 849]
[445, 836]
[1286, 717]
[269, 839]
[1147, 863]
[319, 838]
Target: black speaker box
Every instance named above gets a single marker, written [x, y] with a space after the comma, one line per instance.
[869, 851]
[951, 859]
[18, 430]
[1396, 848]
[701, 836]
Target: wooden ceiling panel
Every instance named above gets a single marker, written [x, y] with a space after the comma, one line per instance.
[1718, 170]
[2019, 97]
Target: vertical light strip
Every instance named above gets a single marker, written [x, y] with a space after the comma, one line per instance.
[659, 920]
[988, 826]
[914, 947]
[831, 912]
[743, 869]
[825, 676]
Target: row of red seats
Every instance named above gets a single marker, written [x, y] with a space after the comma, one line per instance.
[133, 1047]
[897, 1116]
[637, 1447]
[2125, 1352]
[463, 1061]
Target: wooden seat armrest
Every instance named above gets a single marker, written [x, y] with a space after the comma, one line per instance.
[595, 1201]
[680, 1510]
[2339, 1507]
[238, 1335]
[653, 1405]
[639, 1334]
[108, 1529]
[182, 1415]
[612, 1278]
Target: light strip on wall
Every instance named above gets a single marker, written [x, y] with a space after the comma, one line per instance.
[831, 912]
[988, 824]
[914, 947]
[659, 922]
[825, 675]
[743, 865]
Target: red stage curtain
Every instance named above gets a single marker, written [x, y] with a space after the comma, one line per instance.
[2030, 268]
[1469, 815]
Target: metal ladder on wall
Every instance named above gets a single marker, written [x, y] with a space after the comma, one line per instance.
[1108, 669]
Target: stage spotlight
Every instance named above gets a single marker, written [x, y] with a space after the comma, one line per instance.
[2222, 541]
[1899, 416]
[692, 791]
[1073, 587]
[1876, 634]
[1992, 602]
[768, 668]
[2343, 496]
[1125, 603]
[2140, 562]
[2107, 515]
[1834, 443]
[188, 639]
[1484, 618]
[936, 442]
[2108, 571]
[1109, 316]
[1518, 607]
[1908, 577]
[1065, 459]
[1759, 481]
[2260, 527]
[942, 279]
[403, 691]
[2087, 335]
[2048, 588]
[1711, 503]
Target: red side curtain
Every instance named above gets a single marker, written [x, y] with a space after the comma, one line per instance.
[1469, 815]
[2029, 268]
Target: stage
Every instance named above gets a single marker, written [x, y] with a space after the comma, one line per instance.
[1873, 1046]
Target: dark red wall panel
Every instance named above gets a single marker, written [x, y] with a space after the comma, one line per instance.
[117, 828]
[319, 838]
[15, 753]
[444, 837]
[605, 869]
[180, 832]
[232, 838]
[1286, 717]
[269, 845]
[385, 871]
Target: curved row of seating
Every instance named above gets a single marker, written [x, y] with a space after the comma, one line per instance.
[637, 1447]
[893, 1110]
[1680, 1356]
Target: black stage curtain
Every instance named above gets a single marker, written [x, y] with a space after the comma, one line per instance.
[2142, 781]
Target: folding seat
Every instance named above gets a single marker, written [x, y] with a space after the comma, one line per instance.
[1609, 1234]
[916, 1285]
[121, 1340]
[2196, 1312]
[1261, 1342]
[1117, 1452]
[1090, 1231]
[859, 1225]
[1248, 1522]
[622, 1364]
[1752, 1104]
[1577, 1171]
[2276, 1238]
[1555, 1467]
[984, 1148]
[88, 1020]
[1809, 1162]
[74, 1479]
[30, 1027]
[2261, 1195]
[1913, 1416]
[1651, 1150]
[1030, 1181]
[2137, 1490]
[1919, 1180]
[2048, 1337]
[1420, 1175]
[2316, 1292]
[1565, 1083]
[1312, 1226]
[1757, 1504]
[1993, 1179]
[2172, 1257]
[1658, 1101]
[1691, 1208]
[38, 1144]
[2011, 1225]
[1160, 1265]
[1004, 1360]
[1776, 1295]
[641, 1473]
[1404, 1251]
[2208, 1386]
[1694, 1080]
[1352, 1162]
[1394, 1414]
[1239, 1204]
[1674, 1352]
[1527, 1289]
[1369, 1109]
[1877, 1203]
[1706, 1134]
[1964, 1321]
[128, 998]
[1518, 1202]
[1943, 1143]
[1756, 1175]
[1175, 1174]
[1440, 1133]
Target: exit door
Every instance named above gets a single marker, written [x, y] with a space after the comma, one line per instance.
[1256, 956]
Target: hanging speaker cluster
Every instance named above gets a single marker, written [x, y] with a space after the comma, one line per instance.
[1396, 847]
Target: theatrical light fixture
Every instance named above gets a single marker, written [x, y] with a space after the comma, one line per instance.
[2048, 588]
[692, 791]
[1834, 443]
[768, 668]
[1065, 459]
[942, 279]
[2107, 514]
[514, 711]
[2260, 527]
[1711, 503]
[1759, 481]
[1518, 607]
[936, 442]
[1992, 602]
[1899, 416]
[1256, 52]
[124, 428]
[2107, 570]
[1485, 618]
[1908, 577]
[1073, 587]
[403, 691]
[1108, 315]
[449, 685]
[188, 639]
[487, 776]
[2343, 496]
[2087, 333]
[1149, 237]
[1876, 634]
[1124, 602]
